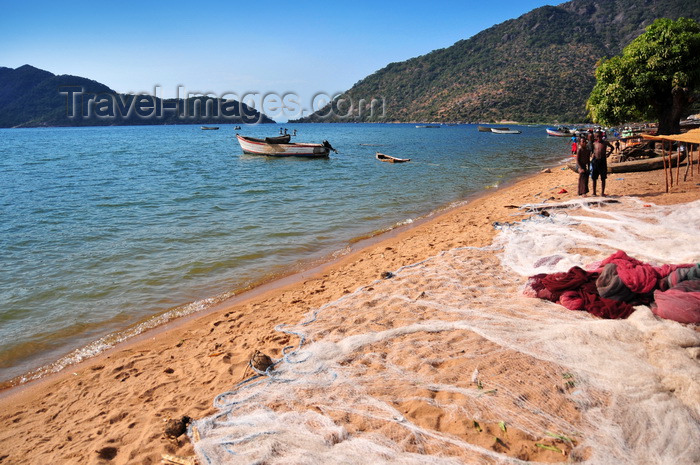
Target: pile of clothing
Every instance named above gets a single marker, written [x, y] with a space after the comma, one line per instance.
[618, 283]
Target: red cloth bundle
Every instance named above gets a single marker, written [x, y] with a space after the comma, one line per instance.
[619, 283]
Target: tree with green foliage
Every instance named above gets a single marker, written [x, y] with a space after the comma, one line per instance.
[657, 76]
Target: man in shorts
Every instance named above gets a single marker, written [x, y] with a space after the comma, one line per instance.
[599, 162]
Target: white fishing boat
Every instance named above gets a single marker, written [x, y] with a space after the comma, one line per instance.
[505, 131]
[561, 131]
[283, 147]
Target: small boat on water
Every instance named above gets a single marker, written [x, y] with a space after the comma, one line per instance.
[561, 131]
[390, 159]
[282, 147]
[209, 128]
[237, 128]
[428, 126]
[500, 130]
[505, 131]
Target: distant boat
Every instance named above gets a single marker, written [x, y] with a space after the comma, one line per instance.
[236, 128]
[390, 159]
[209, 128]
[282, 147]
[428, 126]
[505, 131]
[500, 130]
[561, 131]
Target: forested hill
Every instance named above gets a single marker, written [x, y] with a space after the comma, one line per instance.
[33, 97]
[536, 68]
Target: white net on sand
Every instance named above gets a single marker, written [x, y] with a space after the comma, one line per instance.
[447, 362]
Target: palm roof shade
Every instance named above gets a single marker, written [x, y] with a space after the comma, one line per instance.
[690, 137]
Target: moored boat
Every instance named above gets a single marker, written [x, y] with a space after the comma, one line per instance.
[428, 126]
[209, 128]
[283, 147]
[645, 164]
[390, 159]
[505, 131]
[560, 131]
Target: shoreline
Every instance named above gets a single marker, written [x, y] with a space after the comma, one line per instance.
[287, 275]
[129, 302]
[217, 359]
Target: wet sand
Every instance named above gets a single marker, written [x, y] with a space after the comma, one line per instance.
[113, 408]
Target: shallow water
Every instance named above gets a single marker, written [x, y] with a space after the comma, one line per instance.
[104, 228]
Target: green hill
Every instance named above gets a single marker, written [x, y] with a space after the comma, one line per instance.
[33, 97]
[538, 67]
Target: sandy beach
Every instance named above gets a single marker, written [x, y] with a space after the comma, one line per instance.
[114, 408]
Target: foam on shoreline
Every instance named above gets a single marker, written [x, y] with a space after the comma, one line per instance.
[170, 316]
[378, 351]
[117, 402]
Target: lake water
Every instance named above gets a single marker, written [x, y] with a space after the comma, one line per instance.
[107, 231]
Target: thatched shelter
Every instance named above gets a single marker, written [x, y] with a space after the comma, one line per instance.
[688, 141]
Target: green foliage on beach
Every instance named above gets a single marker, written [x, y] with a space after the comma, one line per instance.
[31, 97]
[657, 76]
[536, 68]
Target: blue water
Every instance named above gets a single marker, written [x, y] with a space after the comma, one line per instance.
[103, 228]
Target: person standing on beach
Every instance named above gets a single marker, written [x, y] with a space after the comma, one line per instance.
[583, 158]
[599, 165]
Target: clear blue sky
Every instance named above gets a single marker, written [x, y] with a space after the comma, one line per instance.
[304, 47]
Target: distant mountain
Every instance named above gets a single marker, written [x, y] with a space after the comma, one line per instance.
[33, 97]
[536, 68]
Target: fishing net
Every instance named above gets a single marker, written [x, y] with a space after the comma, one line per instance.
[446, 361]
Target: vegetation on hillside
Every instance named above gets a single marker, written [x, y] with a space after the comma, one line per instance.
[33, 97]
[657, 76]
[538, 67]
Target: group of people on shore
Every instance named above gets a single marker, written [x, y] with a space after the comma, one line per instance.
[592, 151]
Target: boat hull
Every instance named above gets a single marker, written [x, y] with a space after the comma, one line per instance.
[252, 147]
[390, 159]
[632, 166]
[555, 133]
